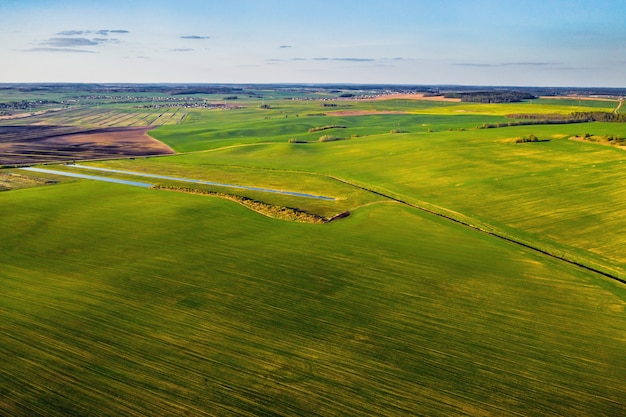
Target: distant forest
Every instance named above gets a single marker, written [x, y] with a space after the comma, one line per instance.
[476, 94]
[491, 96]
[579, 116]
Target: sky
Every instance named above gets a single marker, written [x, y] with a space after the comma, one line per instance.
[578, 43]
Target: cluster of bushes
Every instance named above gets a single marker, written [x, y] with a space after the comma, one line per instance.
[323, 138]
[285, 213]
[398, 131]
[616, 140]
[613, 140]
[530, 138]
[319, 128]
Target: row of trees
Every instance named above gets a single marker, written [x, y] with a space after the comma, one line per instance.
[25, 104]
[600, 116]
[531, 138]
[579, 116]
[525, 119]
[319, 128]
[529, 122]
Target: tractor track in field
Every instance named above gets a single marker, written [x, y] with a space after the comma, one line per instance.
[482, 230]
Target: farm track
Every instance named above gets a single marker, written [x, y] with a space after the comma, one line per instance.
[88, 177]
[189, 180]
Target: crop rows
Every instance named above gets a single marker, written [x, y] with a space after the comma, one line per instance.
[94, 117]
[179, 324]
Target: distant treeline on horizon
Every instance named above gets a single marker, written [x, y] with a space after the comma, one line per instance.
[461, 91]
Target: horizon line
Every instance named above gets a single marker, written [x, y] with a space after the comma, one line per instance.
[193, 83]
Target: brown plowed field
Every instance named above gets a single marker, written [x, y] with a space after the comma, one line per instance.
[37, 144]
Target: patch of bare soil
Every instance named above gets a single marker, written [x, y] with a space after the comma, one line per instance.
[37, 144]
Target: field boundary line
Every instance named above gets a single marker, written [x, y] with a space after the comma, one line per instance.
[450, 217]
[488, 232]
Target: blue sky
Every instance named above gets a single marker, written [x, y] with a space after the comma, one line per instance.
[471, 42]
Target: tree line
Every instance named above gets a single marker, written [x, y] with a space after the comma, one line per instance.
[524, 119]
[490, 96]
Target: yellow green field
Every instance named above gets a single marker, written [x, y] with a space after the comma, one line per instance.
[449, 289]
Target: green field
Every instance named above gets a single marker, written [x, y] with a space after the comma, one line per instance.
[117, 300]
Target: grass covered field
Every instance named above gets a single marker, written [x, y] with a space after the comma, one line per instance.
[561, 195]
[163, 303]
[118, 300]
[293, 119]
